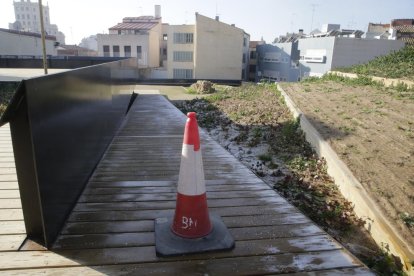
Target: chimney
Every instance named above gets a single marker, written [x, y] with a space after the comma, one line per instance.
[217, 18]
[301, 31]
[157, 11]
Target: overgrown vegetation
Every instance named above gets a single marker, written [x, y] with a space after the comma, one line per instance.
[6, 93]
[251, 116]
[399, 64]
[399, 91]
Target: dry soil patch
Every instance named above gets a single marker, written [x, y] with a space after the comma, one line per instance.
[372, 130]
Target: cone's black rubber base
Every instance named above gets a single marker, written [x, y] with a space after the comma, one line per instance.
[169, 244]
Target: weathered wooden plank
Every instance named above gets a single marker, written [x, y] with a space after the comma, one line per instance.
[144, 205]
[8, 185]
[134, 197]
[12, 227]
[11, 214]
[169, 183]
[11, 242]
[152, 214]
[77, 228]
[9, 193]
[149, 190]
[7, 164]
[155, 269]
[162, 174]
[7, 171]
[8, 177]
[10, 203]
[9, 160]
[270, 262]
[281, 243]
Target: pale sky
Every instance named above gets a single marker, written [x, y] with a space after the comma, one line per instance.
[260, 18]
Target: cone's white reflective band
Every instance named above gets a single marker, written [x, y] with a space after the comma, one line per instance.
[191, 178]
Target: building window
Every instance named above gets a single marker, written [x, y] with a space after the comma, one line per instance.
[28, 16]
[18, 16]
[183, 56]
[139, 52]
[127, 50]
[252, 68]
[183, 73]
[253, 54]
[106, 51]
[165, 37]
[244, 41]
[23, 17]
[115, 49]
[244, 58]
[183, 38]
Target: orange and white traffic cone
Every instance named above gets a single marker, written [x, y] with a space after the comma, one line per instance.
[191, 219]
[192, 229]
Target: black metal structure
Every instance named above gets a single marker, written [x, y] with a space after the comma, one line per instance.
[61, 125]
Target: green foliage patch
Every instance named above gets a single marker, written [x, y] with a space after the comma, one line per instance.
[397, 65]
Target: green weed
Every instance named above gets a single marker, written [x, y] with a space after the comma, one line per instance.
[408, 219]
[265, 157]
[6, 93]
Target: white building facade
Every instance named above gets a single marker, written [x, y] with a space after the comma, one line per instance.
[22, 43]
[27, 19]
[320, 55]
[135, 37]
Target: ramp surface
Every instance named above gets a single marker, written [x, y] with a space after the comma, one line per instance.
[111, 229]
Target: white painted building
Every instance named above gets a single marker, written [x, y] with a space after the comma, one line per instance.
[27, 19]
[134, 37]
[23, 43]
[322, 54]
[90, 43]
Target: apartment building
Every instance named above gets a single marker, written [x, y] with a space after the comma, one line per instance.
[134, 37]
[318, 53]
[209, 49]
[27, 19]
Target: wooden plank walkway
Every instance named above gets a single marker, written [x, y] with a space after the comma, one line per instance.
[12, 231]
[110, 230]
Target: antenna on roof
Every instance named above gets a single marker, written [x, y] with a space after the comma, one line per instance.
[313, 13]
[217, 14]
